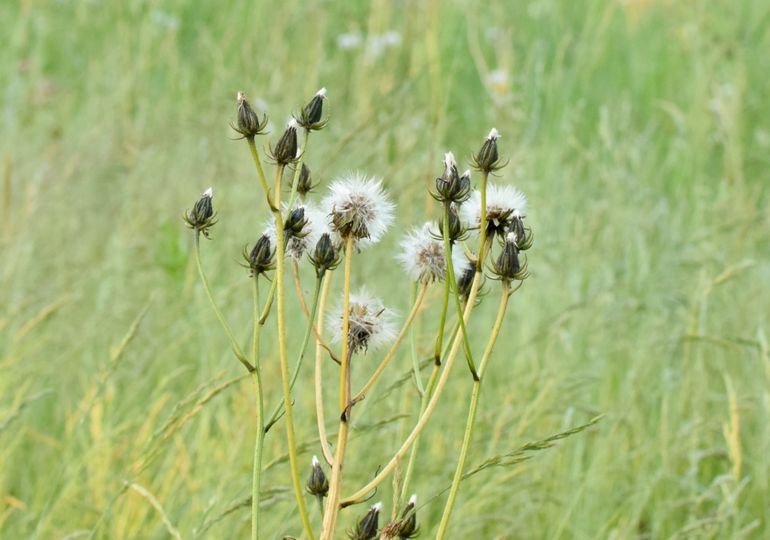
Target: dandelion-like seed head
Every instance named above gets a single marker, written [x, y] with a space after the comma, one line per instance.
[422, 254]
[504, 204]
[370, 323]
[359, 208]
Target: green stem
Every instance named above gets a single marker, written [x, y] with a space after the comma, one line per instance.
[305, 340]
[450, 278]
[268, 303]
[413, 350]
[226, 327]
[482, 222]
[319, 398]
[260, 436]
[283, 356]
[260, 172]
[472, 409]
[442, 321]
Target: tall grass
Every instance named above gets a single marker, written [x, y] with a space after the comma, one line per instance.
[641, 133]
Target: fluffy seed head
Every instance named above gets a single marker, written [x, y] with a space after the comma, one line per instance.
[358, 207]
[370, 323]
[504, 203]
[422, 254]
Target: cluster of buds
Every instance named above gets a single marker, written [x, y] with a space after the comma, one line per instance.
[404, 527]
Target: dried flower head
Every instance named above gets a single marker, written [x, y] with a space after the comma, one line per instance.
[248, 123]
[422, 255]
[310, 117]
[202, 217]
[317, 483]
[286, 149]
[507, 266]
[366, 529]
[370, 324]
[487, 160]
[451, 187]
[504, 204]
[359, 208]
[260, 259]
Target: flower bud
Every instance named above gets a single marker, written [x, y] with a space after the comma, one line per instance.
[465, 281]
[317, 483]
[407, 525]
[260, 259]
[304, 182]
[310, 117]
[286, 148]
[457, 230]
[523, 234]
[325, 256]
[367, 527]
[202, 216]
[294, 224]
[451, 187]
[507, 267]
[487, 159]
[248, 123]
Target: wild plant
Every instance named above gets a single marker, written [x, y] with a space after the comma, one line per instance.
[480, 233]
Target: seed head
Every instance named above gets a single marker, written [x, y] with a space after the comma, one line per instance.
[202, 217]
[317, 483]
[504, 204]
[286, 148]
[370, 324]
[260, 259]
[422, 255]
[248, 123]
[367, 527]
[358, 207]
[487, 159]
[310, 117]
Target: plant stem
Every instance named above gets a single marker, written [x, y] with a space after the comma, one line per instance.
[442, 321]
[450, 278]
[226, 327]
[303, 347]
[394, 348]
[482, 222]
[472, 409]
[268, 303]
[279, 279]
[306, 311]
[260, 172]
[413, 349]
[332, 509]
[260, 436]
[319, 401]
[423, 420]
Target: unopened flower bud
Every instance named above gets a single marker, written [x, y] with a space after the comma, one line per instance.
[260, 259]
[295, 224]
[487, 159]
[248, 122]
[304, 182]
[368, 526]
[457, 230]
[310, 117]
[451, 187]
[407, 526]
[286, 148]
[317, 483]
[523, 234]
[325, 256]
[202, 217]
[507, 267]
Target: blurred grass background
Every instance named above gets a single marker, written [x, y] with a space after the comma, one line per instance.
[639, 129]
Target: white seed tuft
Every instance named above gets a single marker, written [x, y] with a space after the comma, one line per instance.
[292, 123]
[357, 205]
[315, 462]
[209, 193]
[422, 254]
[321, 92]
[493, 135]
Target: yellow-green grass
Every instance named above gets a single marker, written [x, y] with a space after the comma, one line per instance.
[640, 131]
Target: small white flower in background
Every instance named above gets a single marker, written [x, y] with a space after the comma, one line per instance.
[503, 204]
[370, 323]
[422, 254]
[379, 43]
[358, 207]
[350, 40]
[165, 20]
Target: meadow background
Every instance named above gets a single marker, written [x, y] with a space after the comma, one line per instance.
[639, 129]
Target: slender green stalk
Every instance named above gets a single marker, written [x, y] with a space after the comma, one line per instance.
[362, 493]
[260, 436]
[319, 400]
[482, 222]
[260, 172]
[413, 349]
[283, 356]
[268, 303]
[442, 320]
[450, 278]
[332, 508]
[472, 409]
[226, 327]
[277, 411]
[394, 348]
